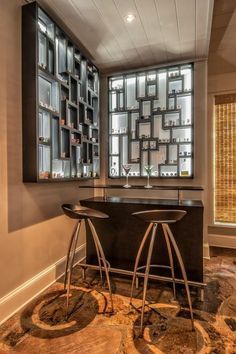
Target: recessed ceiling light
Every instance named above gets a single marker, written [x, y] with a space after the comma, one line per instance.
[129, 18]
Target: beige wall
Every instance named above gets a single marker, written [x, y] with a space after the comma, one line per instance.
[221, 79]
[217, 84]
[33, 232]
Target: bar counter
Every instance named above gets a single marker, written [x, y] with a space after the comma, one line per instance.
[121, 235]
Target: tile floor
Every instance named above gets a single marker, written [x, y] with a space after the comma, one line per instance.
[41, 326]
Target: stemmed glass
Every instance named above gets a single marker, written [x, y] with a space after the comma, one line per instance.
[127, 168]
[148, 170]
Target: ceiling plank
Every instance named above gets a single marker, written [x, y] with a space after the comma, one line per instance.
[150, 22]
[203, 26]
[135, 30]
[169, 26]
[186, 26]
[96, 25]
[115, 24]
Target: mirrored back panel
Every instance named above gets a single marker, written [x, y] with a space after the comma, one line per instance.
[151, 122]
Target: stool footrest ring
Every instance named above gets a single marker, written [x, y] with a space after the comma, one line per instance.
[85, 265]
[155, 266]
[139, 309]
[108, 263]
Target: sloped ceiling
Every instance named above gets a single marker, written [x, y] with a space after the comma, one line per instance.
[222, 52]
[163, 30]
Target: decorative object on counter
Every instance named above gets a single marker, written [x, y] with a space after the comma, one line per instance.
[148, 169]
[127, 168]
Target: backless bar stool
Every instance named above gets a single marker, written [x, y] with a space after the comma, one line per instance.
[163, 217]
[82, 213]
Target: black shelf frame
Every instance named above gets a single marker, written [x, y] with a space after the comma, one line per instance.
[117, 85]
[68, 91]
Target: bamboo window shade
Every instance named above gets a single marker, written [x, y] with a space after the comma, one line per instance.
[225, 158]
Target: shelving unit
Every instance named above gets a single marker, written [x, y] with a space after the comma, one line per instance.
[60, 103]
[151, 122]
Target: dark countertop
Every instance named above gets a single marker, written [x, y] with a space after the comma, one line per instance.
[119, 186]
[167, 202]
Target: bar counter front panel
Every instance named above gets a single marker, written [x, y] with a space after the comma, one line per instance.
[122, 233]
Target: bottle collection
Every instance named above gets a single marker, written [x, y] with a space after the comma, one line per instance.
[67, 103]
[151, 122]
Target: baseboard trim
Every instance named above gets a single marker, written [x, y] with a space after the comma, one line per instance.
[206, 251]
[22, 295]
[222, 241]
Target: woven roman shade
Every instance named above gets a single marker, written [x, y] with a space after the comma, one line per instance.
[225, 157]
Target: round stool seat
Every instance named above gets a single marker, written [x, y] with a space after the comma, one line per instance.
[160, 216]
[79, 212]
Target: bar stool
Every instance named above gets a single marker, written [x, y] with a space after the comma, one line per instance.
[163, 217]
[83, 213]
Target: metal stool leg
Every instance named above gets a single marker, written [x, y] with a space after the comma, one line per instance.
[68, 253]
[147, 272]
[83, 273]
[99, 246]
[170, 259]
[98, 256]
[172, 239]
[73, 247]
[137, 260]
[136, 286]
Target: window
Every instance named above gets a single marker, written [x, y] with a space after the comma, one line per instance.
[225, 159]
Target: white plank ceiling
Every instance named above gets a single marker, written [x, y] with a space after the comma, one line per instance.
[163, 30]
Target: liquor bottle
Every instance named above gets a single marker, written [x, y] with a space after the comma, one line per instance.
[183, 168]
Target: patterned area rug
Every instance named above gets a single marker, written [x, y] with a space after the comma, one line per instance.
[90, 327]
